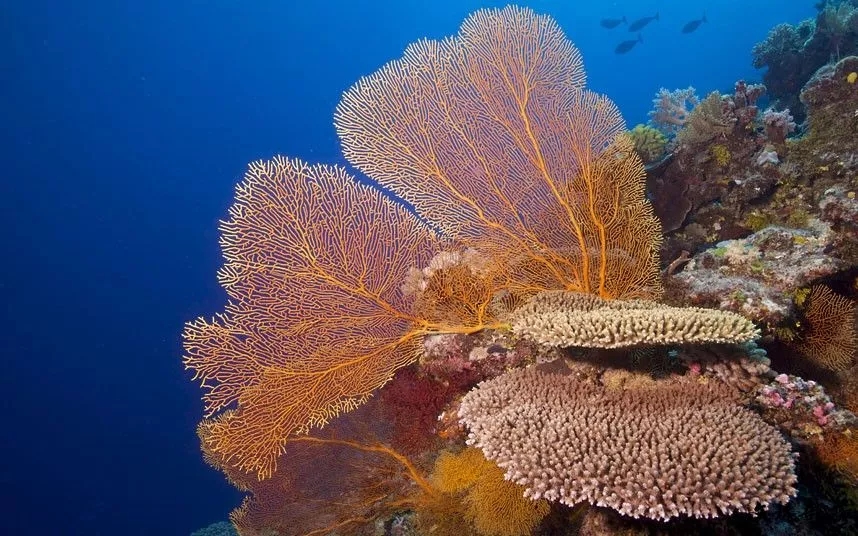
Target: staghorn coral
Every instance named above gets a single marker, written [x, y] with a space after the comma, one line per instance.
[496, 141]
[566, 319]
[542, 184]
[645, 452]
[829, 337]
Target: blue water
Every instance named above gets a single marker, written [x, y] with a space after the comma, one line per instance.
[124, 132]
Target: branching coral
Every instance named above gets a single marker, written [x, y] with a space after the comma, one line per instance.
[647, 451]
[671, 109]
[707, 121]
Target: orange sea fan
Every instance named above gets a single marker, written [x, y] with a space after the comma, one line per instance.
[492, 136]
[316, 320]
[829, 338]
[339, 479]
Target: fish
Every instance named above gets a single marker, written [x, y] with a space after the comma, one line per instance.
[625, 46]
[640, 23]
[693, 25]
[612, 23]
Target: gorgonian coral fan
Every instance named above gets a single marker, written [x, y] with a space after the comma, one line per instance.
[493, 139]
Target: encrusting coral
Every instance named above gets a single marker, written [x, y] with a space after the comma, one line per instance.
[645, 452]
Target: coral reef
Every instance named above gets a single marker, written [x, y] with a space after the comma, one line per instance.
[792, 53]
[811, 410]
[516, 302]
[645, 452]
[564, 319]
[755, 276]
[708, 175]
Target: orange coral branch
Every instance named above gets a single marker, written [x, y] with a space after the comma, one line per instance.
[491, 136]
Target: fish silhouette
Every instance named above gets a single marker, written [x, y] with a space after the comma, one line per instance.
[640, 23]
[625, 46]
[693, 25]
[612, 23]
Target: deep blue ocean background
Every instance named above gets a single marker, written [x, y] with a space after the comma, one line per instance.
[125, 126]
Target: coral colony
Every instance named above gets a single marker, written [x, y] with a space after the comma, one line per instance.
[535, 347]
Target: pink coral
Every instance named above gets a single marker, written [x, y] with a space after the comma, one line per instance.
[645, 452]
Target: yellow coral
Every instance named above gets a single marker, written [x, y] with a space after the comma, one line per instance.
[494, 506]
[456, 472]
[721, 155]
[497, 507]
[852, 77]
[649, 142]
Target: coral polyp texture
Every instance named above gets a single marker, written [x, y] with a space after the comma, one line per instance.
[565, 319]
[644, 451]
[493, 139]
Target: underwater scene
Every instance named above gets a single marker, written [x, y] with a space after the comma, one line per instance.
[506, 296]
[533, 319]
